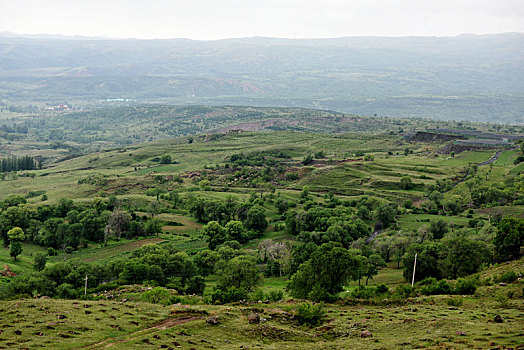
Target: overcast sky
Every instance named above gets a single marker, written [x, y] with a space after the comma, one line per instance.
[216, 19]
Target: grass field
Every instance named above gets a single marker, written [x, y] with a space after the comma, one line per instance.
[420, 323]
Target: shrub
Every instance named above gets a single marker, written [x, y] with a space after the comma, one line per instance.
[433, 287]
[66, 290]
[454, 302]
[223, 296]
[157, 295]
[507, 277]
[276, 295]
[466, 286]
[310, 315]
[363, 292]
[404, 291]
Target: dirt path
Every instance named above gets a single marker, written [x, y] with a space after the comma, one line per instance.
[168, 323]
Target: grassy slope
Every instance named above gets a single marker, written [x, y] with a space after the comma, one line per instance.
[422, 322]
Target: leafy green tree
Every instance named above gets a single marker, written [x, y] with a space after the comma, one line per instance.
[427, 261]
[386, 214]
[436, 197]
[215, 234]
[235, 230]
[240, 272]
[373, 264]
[39, 261]
[509, 238]
[181, 266]
[153, 226]
[406, 183]
[16, 234]
[323, 276]
[461, 256]
[15, 249]
[166, 159]
[205, 261]
[438, 228]
[93, 225]
[256, 219]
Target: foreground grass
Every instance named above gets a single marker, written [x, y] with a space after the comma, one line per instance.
[422, 323]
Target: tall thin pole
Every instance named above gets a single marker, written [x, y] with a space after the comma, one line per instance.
[414, 268]
[85, 288]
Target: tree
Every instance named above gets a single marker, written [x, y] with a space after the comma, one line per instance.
[16, 234]
[386, 214]
[215, 234]
[15, 249]
[427, 261]
[180, 265]
[235, 230]
[324, 274]
[461, 256]
[438, 228]
[373, 263]
[40, 261]
[240, 272]
[256, 219]
[205, 261]
[509, 238]
[153, 226]
[166, 159]
[118, 223]
[406, 183]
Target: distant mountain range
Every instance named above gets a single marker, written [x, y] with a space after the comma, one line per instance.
[473, 77]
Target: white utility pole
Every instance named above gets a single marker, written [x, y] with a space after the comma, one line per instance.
[85, 288]
[414, 268]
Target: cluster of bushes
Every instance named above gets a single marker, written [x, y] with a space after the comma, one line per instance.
[463, 286]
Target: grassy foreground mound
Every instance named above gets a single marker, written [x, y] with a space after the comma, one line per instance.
[421, 322]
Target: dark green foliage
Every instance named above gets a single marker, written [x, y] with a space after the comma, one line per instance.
[406, 183]
[205, 261]
[310, 315]
[307, 159]
[507, 277]
[17, 163]
[40, 261]
[438, 228]
[15, 249]
[430, 286]
[466, 286]
[386, 214]
[276, 295]
[509, 238]
[256, 219]
[324, 274]
[240, 272]
[427, 261]
[229, 295]
[461, 256]
[214, 233]
[196, 285]
[166, 159]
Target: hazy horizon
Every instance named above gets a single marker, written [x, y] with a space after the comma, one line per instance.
[287, 19]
